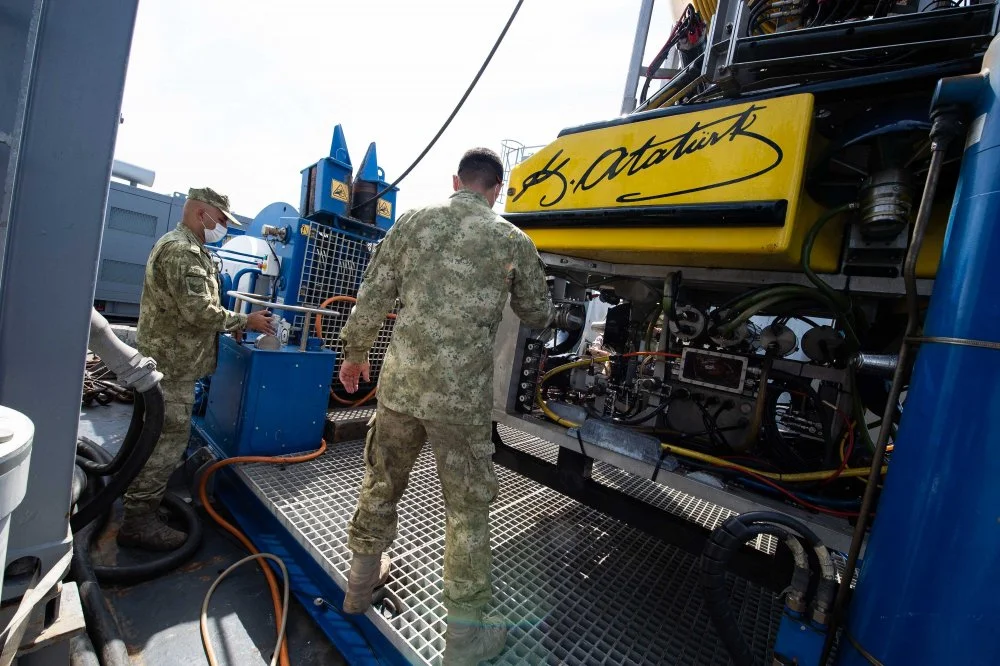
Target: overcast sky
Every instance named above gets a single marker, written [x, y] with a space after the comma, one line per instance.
[241, 95]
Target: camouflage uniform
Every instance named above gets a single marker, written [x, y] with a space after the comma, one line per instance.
[452, 267]
[180, 317]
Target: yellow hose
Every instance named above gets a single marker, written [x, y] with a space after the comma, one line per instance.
[688, 453]
[706, 8]
[552, 373]
[802, 476]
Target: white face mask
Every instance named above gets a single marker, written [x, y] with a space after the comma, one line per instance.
[215, 234]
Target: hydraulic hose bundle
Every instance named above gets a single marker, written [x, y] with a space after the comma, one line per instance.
[111, 476]
[100, 478]
[726, 541]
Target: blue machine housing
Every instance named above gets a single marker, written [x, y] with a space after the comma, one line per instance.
[326, 185]
[322, 248]
[267, 403]
[928, 589]
[371, 182]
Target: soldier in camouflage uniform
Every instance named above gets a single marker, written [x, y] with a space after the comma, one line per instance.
[452, 267]
[180, 317]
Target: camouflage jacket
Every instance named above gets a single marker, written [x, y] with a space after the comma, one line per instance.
[452, 267]
[180, 314]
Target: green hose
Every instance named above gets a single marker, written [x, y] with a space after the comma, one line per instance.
[843, 302]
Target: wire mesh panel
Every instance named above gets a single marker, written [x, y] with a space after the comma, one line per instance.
[334, 265]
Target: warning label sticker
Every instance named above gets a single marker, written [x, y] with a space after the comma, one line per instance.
[338, 190]
[384, 209]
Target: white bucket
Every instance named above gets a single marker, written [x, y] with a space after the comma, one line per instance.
[16, 434]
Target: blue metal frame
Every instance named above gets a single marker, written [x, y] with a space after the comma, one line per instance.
[927, 592]
[799, 640]
[357, 639]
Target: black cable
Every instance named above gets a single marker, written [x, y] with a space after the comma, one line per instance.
[807, 320]
[461, 102]
[639, 420]
[657, 61]
[711, 426]
[756, 20]
[659, 463]
[277, 261]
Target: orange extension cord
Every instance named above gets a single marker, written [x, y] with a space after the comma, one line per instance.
[272, 582]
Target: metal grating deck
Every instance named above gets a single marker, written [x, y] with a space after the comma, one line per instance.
[578, 586]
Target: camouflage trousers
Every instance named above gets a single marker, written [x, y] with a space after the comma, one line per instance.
[463, 454]
[148, 488]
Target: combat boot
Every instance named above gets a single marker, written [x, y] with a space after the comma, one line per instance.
[466, 643]
[367, 573]
[148, 531]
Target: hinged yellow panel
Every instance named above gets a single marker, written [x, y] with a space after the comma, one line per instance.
[711, 187]
[743, 152]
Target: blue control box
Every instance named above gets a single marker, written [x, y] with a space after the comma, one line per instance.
[266, 403]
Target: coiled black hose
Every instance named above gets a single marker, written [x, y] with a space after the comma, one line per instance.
[138, 451]
[97, 458]
[79, 483]
[96, 495]
[725, 542]
[135, 427]
[138, 573]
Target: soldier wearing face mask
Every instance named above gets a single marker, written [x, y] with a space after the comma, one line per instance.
[180, 318]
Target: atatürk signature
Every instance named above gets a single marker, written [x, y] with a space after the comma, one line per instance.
[619, 162]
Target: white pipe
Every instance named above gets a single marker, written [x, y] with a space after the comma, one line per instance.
[129, 366]
[135, 175]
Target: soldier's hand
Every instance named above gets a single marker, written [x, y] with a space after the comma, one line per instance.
[260, 321]
[351, 372]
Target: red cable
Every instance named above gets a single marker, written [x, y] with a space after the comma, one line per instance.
[795, 498]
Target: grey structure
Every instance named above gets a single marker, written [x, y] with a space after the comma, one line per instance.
[60, 123]
[135, 220]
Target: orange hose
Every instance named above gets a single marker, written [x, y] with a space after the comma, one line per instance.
[358, 403]
[272, 582]
[319, 334]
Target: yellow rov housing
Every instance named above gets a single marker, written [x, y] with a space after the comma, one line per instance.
[720, 186]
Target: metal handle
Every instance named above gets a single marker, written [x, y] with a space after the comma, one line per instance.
[307, 311]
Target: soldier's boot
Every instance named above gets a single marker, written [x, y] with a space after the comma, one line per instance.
[367, 573]
[147, 530]
[469, 642]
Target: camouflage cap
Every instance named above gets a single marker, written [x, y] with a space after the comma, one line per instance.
[211, 197]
